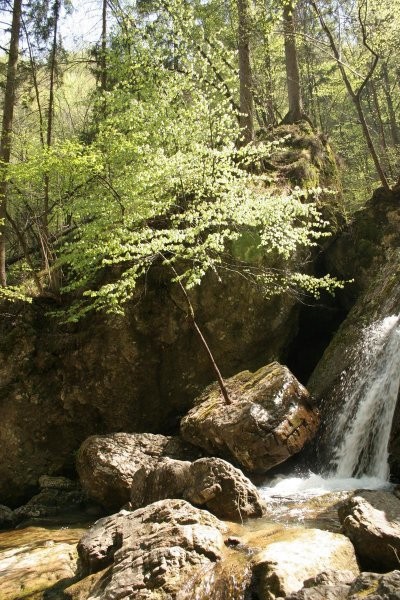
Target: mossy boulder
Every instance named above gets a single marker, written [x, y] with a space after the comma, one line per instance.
[270, 418]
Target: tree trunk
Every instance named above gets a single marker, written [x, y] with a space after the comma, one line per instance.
[45, 235]
[245, 76]
[5, 142]
[103, 58]
[355, 95]
[292, 66]
[394, 128]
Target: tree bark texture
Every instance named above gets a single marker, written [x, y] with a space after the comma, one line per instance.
[246, 119]
[6, 131]
[292, 66]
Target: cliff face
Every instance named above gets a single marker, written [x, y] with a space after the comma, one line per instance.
[60, 384]
[367, 251]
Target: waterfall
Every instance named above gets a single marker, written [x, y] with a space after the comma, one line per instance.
[359, 429]
[362, 430]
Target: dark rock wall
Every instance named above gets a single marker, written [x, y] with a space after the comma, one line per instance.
[60, 384]
[368, 252]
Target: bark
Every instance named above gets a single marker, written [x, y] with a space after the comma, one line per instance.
[394, 128]
[5, 142]
[44, 234]
[246, 119]
[103, 58]
[292, 66]
[203, 341]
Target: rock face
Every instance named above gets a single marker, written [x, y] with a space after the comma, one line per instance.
[340, 364]
[134, 373]
[371, 521]
[160, 551]
[269, 420]
[57, 495]
[106, 464]
[285, 564]
[209, 482]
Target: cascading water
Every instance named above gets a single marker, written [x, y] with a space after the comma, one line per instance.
[360, 435]
[370, 400]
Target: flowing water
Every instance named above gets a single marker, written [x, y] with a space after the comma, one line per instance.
[359, 437]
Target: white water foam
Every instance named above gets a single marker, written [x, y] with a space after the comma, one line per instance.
[370, 400]
[317, 485]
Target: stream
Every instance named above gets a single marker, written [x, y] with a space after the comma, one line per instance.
[36, 557]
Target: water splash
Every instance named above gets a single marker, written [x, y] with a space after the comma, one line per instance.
[370, 400]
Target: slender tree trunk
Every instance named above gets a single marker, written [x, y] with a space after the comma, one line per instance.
[246, 119]
[203, 341]
[394, 128]
[6, 131]
[270, 108]
[45, 234]
[381, 127]
[292, 66]
[103, 58]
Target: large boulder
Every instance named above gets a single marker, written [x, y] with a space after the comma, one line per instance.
[167, 550]
[106, 464]
[371, 519]
[209, 482]
[298, 555]
[270, 418]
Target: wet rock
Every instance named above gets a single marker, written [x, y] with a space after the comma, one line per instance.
[341, 585]
[371, 520]
[269, 420]
[35, 559]
[7, 517]
[209, 482]
[376, 586]
[328, 585]
[106, 464]
[345, 360]
[58, 495]
[298, 555]
[156, 552]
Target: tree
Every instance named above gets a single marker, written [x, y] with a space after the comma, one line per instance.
[356, 94]
[6, 131]
[245, 76]
[296, 112]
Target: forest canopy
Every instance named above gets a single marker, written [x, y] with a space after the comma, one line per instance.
[152, 146]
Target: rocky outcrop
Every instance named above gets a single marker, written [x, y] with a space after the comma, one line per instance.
[7, 518]
[270, 419]
[209, 482]
[106, 464]
[165, 550]
[345, 360]
[371, 521]
[298, 555]
[57, 495]
[135, 373]
[341, 585]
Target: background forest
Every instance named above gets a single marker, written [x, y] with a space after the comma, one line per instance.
[154, 143]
